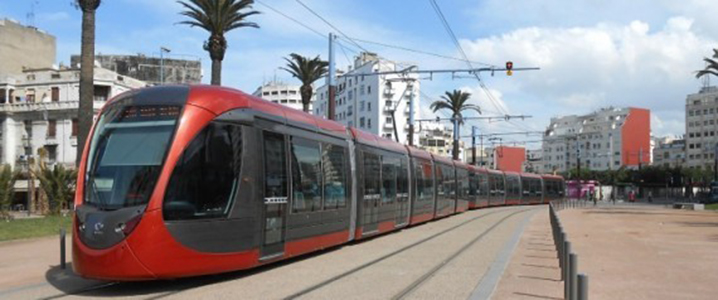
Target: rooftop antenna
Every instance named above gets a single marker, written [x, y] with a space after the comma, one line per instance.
[31, 14]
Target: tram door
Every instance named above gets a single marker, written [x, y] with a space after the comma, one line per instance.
[371, 202]
[275, 195]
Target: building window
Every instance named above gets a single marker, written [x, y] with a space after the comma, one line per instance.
[361, 106]
[368, 89]
[55, 94]
[75, 127]
[51, 153]
[51, 128]
[368, 123]
[368, 106]
[361, 122]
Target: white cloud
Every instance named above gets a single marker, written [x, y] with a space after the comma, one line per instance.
[584, 68]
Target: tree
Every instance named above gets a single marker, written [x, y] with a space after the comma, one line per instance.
[58, 184]
[218, 17]
[456, 103]
[87, 72]
[711, 68]
[307, 71]
[7, 190]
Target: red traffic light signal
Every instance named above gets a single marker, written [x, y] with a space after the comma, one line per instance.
[509, 65]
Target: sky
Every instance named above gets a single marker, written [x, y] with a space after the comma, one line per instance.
[592, 53]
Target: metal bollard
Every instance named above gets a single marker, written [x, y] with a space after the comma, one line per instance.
[565, 260]
[62, 248]
[573, 270]
[582, 287]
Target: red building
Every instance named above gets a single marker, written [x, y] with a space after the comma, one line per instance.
[509, 158]
[636, 137]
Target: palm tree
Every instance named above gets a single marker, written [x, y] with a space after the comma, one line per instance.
[456, 103]
[307, 71]
[711, 68]
[7, 190]
[58, 184]
[218, 17]
[87, 72]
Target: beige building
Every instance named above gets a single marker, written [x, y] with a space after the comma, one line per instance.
[438, 139]
[669, 152]
[24, 47]
[701, 137]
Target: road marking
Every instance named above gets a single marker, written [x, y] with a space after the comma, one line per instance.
[486, 287]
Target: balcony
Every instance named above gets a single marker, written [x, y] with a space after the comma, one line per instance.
[388, 91]
[42, 106]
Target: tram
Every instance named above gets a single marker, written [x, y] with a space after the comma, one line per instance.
[179, 181]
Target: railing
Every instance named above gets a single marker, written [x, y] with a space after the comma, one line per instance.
[575, 285]
[40, 106]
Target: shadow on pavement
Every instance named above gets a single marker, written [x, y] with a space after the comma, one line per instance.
[697, 224]
[70, 283]
[538, 278]
[536, 296]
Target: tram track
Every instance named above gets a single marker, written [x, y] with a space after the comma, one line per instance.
[373, 262]
[426, 276]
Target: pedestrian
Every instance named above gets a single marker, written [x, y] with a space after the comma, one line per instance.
[595, 200]
[650, 197]
[631, 196]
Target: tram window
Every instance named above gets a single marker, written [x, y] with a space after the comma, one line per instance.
[449, 180]
[483, 184]
[275, 165]
[334, 167]
[204, 179]
[388, 176]
[402, 177]
[419, 180]
[473, 184]
[440, 187]
[462, 178]
[428, 182]
[306, 175]
[372, 179]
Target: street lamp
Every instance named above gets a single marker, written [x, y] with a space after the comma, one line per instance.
[163, 50]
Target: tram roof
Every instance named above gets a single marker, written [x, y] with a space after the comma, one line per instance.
[419, 153]
[222, 99]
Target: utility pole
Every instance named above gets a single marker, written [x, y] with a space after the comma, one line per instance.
[163, 50]
[473, 145]
[715, 161]
[410, 138]
[331, 79]
[481, 139]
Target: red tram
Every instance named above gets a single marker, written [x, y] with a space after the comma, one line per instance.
[180, 181]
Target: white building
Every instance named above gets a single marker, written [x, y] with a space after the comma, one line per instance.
[282, 93]
[39, 110]
[702, 128]
[367, 102]
[534, 161]
[606, 139]
[439, 140]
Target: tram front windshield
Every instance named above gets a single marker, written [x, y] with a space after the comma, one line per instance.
[127, 152]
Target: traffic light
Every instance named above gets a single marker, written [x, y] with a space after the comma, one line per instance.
[509, 68]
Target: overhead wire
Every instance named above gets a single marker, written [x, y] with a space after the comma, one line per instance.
[415, 50]
[330, 24]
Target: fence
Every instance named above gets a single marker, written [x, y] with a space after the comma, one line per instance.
[575, 285]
